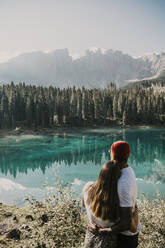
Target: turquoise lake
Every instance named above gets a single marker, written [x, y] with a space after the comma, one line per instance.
[29, 163]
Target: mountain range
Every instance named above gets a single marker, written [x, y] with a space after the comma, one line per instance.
[96, 69]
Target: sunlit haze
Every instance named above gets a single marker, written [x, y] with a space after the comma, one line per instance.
[135, 27]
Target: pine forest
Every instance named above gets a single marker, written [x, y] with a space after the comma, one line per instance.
[36, 106]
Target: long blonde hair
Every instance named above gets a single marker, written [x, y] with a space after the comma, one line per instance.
[102, 195]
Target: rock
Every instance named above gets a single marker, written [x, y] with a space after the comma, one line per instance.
[3, 242]
[4, 228]
[41, 245]
[44, 218]
[15, 218]
[7, 214]
[38, 204]
[14, 234]
[26, 227]
[29, 217]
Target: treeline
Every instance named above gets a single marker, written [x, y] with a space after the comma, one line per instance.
[31, 106]
[158, 83]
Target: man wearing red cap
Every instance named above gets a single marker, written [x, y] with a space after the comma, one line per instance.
[127, 192]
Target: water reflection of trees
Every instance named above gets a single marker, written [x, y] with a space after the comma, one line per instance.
[145, 148]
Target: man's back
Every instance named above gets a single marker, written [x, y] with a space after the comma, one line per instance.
[127, 190]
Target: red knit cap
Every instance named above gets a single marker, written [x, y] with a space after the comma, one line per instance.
[120, 149]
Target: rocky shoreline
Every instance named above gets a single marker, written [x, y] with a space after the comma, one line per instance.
[61, 224]
[41, 225]
[13, 222]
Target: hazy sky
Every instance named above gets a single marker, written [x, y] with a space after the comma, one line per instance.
[135, 27]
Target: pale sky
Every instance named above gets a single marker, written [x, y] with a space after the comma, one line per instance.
[135, 27]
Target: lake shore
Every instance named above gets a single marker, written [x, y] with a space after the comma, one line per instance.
[18, 131]
[61, 224]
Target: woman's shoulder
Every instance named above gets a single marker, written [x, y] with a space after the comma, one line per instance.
[87, 186]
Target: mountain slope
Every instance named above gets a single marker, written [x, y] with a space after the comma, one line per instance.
[97, 68]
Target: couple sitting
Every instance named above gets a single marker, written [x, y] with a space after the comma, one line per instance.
[110, 203]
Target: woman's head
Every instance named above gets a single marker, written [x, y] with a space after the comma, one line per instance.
[103, 196]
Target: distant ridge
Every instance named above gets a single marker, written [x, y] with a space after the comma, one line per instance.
[96, 69]
[157, 84]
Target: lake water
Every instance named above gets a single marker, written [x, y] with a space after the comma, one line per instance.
[29, 164]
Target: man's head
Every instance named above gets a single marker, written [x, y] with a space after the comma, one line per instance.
[120, 151]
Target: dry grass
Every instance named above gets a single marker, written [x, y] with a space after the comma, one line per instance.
[55, 223]
[152, 218]
[58, 222]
